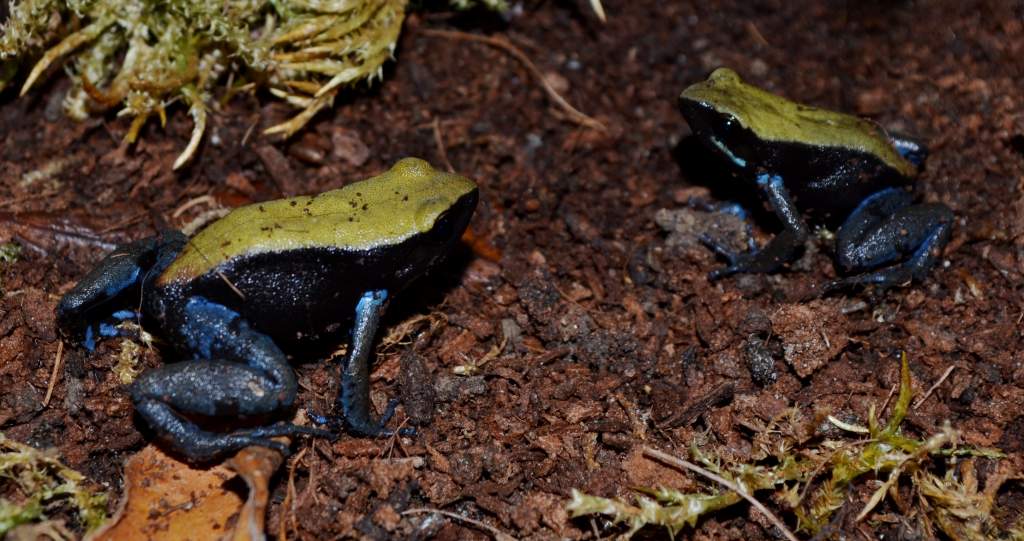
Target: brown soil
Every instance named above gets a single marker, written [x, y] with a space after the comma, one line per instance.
[613, 336]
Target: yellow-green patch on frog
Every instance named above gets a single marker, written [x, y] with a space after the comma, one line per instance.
[385, 210]
[774, 118]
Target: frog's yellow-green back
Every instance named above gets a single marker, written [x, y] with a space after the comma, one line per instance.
[775, 118]
[381, 211]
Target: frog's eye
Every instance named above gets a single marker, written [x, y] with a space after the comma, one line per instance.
[726, 125]
[444, 227]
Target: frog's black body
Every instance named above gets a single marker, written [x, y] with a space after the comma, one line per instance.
[861, 183]
[818, 179]
[311, 267]
[305, 287]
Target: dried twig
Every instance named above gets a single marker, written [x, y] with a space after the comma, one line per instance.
[439, 141]
[934, 386]
[57, 361]
[498, 534]
[574, 114]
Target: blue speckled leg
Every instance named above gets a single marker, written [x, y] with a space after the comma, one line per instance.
[110, 291]
[238, 372]
[781, 249]
[354, 397]
[885, 229]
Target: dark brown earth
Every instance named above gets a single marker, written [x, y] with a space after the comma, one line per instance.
[601, 335]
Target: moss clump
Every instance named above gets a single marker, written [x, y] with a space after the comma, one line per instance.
[812, 480]
[9, 252]
[34, 482]
[142, 55]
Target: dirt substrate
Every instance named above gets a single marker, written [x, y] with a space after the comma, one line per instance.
[601, 332]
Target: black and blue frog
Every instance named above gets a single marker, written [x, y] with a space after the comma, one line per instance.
[269, 275]
[820, 165]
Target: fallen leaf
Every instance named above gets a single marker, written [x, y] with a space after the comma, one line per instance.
[165, 498]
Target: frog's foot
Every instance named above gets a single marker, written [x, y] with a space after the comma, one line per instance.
[366, 427]
[737, 260]
[758, 260]
[187, 439]
[107, 329]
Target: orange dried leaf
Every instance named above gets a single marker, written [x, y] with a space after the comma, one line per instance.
[168, 499]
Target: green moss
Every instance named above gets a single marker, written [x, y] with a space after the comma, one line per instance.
[9, 252]
[141, 55]
[811, 479]
[34, 483]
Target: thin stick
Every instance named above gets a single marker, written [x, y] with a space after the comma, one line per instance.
[209, 199]
[439, 141]
[934, 386]
[574, 114]
[56, 372]
[685, 464]
[498, 534]
[892, 392]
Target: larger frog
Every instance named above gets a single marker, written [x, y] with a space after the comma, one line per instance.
[270, 274]
[824, 165]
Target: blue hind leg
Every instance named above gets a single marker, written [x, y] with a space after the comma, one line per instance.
[886, 229]
[354, 397]
[238, 373]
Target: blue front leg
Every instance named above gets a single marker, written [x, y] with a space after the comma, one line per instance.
[354, 397]
[781, 249]
[111, 290]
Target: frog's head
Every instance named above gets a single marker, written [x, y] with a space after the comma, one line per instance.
[438, 205]
[723, 112]
[435, 206]
[736, 118]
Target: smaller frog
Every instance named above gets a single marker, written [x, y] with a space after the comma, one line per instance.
[267, 275]
[825, 166]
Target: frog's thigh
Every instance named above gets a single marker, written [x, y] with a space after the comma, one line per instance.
[240, 370]
[915, 233]
[241, 373]
[870, 213]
